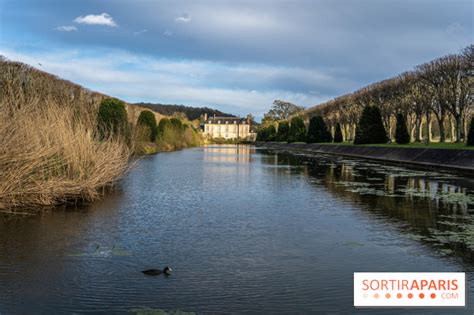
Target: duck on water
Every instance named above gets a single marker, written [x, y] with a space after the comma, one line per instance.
[155, 272]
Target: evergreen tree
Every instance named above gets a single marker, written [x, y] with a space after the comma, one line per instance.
[401, 131]
[261, 134]
[148, 120]
[317, 131]
[163, 124]
[297, 132]
[112, 118]
[470, 135]
[283, 130]
[176, 123]
[267, 133]
[370, 128]
[338, 134]
[271, 133]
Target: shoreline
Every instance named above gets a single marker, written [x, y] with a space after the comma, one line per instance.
[453, 160]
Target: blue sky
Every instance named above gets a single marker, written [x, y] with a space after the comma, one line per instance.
[236, 56]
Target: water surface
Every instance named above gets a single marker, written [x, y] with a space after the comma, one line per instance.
[246, 230]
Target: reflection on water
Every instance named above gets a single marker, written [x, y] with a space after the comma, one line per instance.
[437, 208]
[246, 231]
[229, 153]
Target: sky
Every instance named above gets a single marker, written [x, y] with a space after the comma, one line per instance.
[235, 56]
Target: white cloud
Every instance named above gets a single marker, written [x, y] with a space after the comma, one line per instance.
[66, 28]
[183, 19]
[188, 82]
[91, 19]
[168, 33]
[140, 32]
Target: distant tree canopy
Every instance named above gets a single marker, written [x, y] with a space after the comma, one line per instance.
[283, 131]
[297, 132]
[148, 120]
[112, 118]
[266, 133]
[318, 131]
[282, 110]
[401, 132]
[191, 113]
[251, 119]
[370, 128]
[338, 134]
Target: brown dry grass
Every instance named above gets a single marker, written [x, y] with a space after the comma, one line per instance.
[50, 156]
[49, 151]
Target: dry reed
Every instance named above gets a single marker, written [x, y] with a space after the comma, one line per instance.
[49, 151]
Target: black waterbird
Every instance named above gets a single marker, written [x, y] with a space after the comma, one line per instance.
[155, 272]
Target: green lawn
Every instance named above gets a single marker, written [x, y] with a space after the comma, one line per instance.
[433, 145]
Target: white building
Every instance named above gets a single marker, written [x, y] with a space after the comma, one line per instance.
[227, 128]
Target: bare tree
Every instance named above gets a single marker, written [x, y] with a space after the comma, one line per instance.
[442, 89]
[282, 110]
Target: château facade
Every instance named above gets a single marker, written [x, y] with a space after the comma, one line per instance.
[227, 128]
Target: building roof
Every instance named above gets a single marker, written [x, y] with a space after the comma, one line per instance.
[228, 120]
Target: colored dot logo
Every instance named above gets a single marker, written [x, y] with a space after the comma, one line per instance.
[399, 295]
[409, 289]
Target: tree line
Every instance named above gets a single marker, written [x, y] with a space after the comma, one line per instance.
[432, 102]
[434, 99]
[169, 134]
[191, 113]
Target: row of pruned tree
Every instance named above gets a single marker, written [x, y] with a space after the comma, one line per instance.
[296, 131]
[435, 99]
[370, 130]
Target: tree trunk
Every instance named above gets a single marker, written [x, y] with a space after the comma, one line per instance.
[442, 134]
[417, 128]
[453, 129]
[458, 128]
[430, 131]
[428, 128]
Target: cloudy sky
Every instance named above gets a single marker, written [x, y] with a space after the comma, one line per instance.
[237, 56]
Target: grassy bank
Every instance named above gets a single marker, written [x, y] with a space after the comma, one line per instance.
[432, 145]
[52, 148]
[49, 155]
[50, 151]
[172, 134]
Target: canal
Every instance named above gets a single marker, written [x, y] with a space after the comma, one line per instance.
[245, 230]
